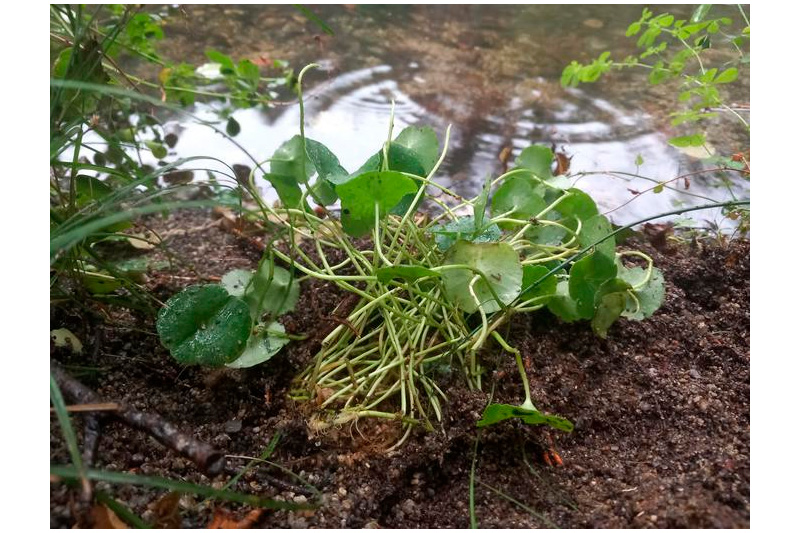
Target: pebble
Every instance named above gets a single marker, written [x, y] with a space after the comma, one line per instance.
[233, 426]
[300, 499]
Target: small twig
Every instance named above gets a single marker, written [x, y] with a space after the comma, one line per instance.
[204, 455]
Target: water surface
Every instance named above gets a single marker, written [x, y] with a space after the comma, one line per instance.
[491, 71]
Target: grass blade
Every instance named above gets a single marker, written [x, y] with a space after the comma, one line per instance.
[69, 433]
[70, 472]
[307, 13]
[521, 505]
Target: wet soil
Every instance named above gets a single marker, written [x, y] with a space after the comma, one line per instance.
[661, 412]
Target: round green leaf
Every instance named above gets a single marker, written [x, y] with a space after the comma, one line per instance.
[585, 278]
[261, 346]
[204, 325]
[531, 274]
[650, 295]
[519, 195]
[289, 161]
[500, 265]
[422, 142]
[593, 230]
[538, 159]
[577, 204]
[360, 194]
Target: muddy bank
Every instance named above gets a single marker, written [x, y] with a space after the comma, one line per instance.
[661, 410]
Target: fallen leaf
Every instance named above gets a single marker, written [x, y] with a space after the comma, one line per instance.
[64, 338]
[226, 520]
[166, 512]
[105, 518]
[144, 240]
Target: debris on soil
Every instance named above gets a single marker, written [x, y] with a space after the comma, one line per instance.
[661, 411]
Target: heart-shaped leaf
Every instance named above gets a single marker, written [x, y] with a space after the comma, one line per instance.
[538, 159]
[585, 278]
[650, 295]
[205, 325]
[423, 143]
[362, 193]
[502, 275]
[518, 197]
[609, 305]
[497, 412]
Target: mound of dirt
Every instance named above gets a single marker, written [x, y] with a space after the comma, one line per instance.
[661, 412]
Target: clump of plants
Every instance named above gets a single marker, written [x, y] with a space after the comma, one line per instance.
[439, 275]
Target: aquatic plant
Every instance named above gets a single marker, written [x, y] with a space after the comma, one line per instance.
[430, 288]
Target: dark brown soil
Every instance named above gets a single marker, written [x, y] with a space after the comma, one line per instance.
[661, 411]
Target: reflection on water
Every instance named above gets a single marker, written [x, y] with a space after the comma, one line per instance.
[490, 71]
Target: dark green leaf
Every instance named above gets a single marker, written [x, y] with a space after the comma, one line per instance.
[205, 325]
[232, 128]
[520, 197]
[531, 274]
[290, 161]
[287, 188]
[586, 277]
[497, 412]
[538, 159]
[88, 189]
[361, 194]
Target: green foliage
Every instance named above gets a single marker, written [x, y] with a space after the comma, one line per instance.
[368, 198]
[204, 325]
[491, 277]
[497, 412]
[673, 49]
[93, 182]
[212, 325]
[428, 291]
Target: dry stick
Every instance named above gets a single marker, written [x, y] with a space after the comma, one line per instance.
[204, 455]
